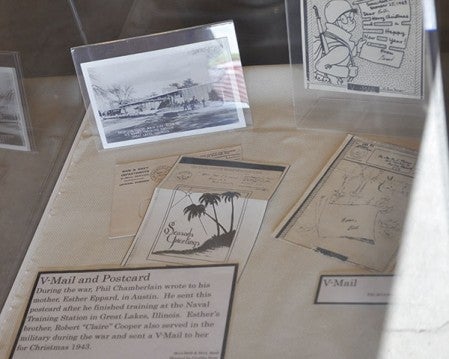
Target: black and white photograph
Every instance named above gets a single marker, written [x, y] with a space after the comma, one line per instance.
[13, 129]
[174, 92]
[364, 46]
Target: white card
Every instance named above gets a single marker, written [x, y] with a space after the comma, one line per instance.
[354, 289]
[134, 185]
[205, 211]
[175, 312]
[364, 46]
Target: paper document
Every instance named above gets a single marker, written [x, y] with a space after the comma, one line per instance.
[364, 46]
[160, 313]
[354, 289]
[135, 182]
[356, 207]
[206, 211]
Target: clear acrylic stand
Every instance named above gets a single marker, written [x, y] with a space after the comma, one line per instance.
[385, 93]
[164, 86]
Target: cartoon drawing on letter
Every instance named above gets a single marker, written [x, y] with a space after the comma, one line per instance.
[364, 46]
[334, 58]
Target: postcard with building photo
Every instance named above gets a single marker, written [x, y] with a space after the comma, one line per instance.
[364, 46]
[13, 128]
[162, 94]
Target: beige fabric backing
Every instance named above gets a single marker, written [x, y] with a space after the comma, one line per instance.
[273, 313]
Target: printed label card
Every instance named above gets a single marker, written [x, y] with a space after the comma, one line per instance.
[364, 46]
[134, 185]
[363, 289]
[161, 313]
[206, 211]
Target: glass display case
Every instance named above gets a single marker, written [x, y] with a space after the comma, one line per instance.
[329, 206]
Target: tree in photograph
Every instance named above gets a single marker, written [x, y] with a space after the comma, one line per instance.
[99, 91]
[185, 84]
[188, 83]
[213, 96]
[121, 93]
[176, 85]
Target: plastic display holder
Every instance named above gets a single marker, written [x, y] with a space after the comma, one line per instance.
[358, 66]
[15, 125]
[164, 86]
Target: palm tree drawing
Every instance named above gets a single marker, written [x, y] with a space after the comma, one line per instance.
[212, 199]
[229, 197]
[223, 237]
[198, 210]
[194, 210]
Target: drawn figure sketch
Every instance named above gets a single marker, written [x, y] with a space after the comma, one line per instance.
[355, 210]
[13, 129]
[371, 46]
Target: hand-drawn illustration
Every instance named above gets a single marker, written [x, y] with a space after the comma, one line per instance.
[362, 206]
[213, 215]
[135, 182]
[200, 223]
[364, 46]
[13, 128]
[355, 210]
[335, 60]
